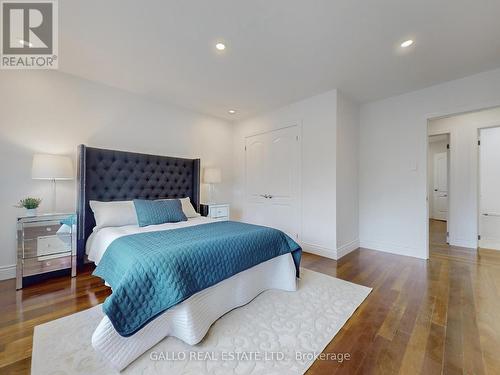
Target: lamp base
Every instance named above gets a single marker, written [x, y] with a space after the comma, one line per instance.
[54, 195]
[211, 189]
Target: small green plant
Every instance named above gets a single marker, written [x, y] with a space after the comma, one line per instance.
[29, 203]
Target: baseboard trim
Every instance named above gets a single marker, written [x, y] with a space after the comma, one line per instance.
[387, 247]
[463, 243]
[7, 272]
[347, 248]
[492, 245]
[319, 250]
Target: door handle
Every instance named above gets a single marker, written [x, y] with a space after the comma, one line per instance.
[435, 189]
[264, 195]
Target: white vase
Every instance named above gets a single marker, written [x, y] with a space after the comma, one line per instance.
[30, 212]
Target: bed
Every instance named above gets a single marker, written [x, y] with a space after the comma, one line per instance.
[129, 330]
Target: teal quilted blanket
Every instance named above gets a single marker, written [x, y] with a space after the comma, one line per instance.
[151, 272]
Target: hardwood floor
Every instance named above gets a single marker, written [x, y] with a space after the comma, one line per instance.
[437, 233]
[422, 317]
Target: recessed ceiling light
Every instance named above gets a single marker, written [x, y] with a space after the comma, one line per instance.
[407, 43]
[232, 111]
[25, 43]
[220, 46]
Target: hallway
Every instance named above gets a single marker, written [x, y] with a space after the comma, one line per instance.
[438, 248]
[437, 233]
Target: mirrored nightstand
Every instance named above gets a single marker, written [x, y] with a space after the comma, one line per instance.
[45, 243]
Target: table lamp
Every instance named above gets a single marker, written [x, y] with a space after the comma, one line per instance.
[53, 168]
[212, 176]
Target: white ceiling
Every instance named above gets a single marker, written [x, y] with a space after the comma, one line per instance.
[278, 51]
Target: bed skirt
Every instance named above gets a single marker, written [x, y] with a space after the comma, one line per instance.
[191, 319]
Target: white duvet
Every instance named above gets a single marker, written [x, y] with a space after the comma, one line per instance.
[191, 319]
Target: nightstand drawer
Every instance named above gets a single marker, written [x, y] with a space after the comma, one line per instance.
[217, 212]
[36, 266]
[35, 230]
[53, 244]
[46, 245]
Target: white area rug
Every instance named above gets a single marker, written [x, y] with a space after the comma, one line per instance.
[277, 333]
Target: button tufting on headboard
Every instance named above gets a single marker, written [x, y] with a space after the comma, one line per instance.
[108, 175]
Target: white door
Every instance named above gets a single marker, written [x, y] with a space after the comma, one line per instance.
[489, 192]
[440, 193]
[272, 179]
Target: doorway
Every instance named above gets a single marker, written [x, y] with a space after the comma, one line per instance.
[272, 162]
[438, 187]
[489, 188]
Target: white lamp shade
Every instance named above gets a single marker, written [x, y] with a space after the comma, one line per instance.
[212, 176]
[52, 167]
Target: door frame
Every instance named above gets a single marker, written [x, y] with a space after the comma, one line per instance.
[435, 212]
[430, 192]
[426, 118]
[478, 153]
[292, 124]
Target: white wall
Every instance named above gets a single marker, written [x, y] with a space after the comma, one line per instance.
[393, 152]
[51, 112]
[435, 147]
[318, 118]
[347, 175]
[463, 129]
[329, 169]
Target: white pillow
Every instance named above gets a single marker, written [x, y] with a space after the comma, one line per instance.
[121, 213]
[188, 208]
[113, 214]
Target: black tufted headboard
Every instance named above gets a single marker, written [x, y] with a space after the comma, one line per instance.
[109, 175]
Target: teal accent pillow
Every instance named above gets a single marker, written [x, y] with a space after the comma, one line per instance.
[70, 220]
[158, 212]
